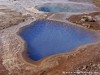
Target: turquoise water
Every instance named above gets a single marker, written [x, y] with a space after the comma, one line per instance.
[67, 7]
[45, 38]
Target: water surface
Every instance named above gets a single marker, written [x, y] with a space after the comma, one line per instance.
[45, 38]
[65, 7]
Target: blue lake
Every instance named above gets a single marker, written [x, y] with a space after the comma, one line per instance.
[45, 38]
[65, 7]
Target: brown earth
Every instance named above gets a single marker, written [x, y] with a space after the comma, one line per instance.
[91, 25]
[96, 2]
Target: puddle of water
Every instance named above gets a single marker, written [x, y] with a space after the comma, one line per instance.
[45, 38]
[65, 7]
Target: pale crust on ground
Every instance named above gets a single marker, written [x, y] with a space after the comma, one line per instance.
[11, 18]
[85, 58]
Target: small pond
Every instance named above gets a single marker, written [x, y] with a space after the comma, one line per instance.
[45, 38]
[65, 7]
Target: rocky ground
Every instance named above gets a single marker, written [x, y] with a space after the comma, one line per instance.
[88, 24]
[10, 18]
[84, 60]
[77, 19]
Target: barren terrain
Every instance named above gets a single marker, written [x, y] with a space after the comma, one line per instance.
[84, 60]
